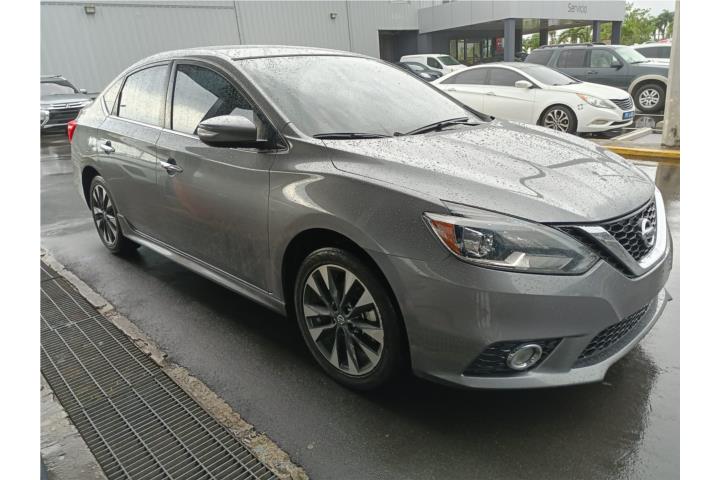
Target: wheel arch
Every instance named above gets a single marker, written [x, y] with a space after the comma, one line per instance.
[639, 81]
[88, 173]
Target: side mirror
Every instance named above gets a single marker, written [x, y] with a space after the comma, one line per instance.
[523, 84]
[229, 131]
[83, 90]
[616, 65]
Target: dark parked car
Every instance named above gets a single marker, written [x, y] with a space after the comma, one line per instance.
[60, 101]
[420, 70]
[614, 65]
[399, 228]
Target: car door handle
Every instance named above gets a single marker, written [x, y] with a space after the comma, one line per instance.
[107, 147]
[171, 167]
[592, 72]
[491, 93]
[452, 89]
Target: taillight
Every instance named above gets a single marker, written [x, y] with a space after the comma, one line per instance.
[72, 125]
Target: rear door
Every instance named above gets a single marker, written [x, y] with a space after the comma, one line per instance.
[215, 209]
[505, 100]
[126, 145]
[573, 62]
[469, 87]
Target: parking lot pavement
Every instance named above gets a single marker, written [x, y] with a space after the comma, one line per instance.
[625, 427]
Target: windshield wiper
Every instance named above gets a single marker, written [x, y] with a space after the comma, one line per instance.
[348, 135]
[439, 126]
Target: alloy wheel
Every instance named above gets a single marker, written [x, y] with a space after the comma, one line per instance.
[343, 320]
[649, 98]
[104, 215]
[557, 119]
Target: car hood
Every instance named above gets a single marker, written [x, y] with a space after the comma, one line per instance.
[594, 89]
[526, 171]
[64, 98]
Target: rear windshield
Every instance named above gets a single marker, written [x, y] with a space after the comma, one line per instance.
[448, 60]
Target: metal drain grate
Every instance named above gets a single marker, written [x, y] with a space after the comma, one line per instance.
[137, 422]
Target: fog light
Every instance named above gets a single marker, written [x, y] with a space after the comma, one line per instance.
[524, 356]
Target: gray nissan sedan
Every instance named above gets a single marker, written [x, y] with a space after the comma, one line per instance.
[402, 229]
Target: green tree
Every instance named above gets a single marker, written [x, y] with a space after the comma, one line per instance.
[663, 23]
[531, 42]
[575, 35]
[638, 26]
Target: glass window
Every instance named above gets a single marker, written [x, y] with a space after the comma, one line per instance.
[663, 52]
[502, 77]
[539, 56]
[546, 75]
[650, 52]
[143, 96]
[630, 55]
[111, 95]
[572, 58]
[200, 94]
[448, 60]
[433, 63]
[473, 76]
[601, 58]
[56, 88]
[330, 94]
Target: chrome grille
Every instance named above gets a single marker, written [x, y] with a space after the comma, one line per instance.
[63, 116]
[624, 104]
[627, 231]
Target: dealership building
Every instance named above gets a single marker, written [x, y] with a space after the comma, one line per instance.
[91, 42]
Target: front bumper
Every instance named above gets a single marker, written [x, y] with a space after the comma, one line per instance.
[593, 119]
[454, 310]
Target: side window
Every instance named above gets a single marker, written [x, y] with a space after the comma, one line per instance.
[433, 63]
[601, 58]
[200, 94]
[650, 52]
[143, 96]
[475, 76]
[111, 95]
[571, 58]
[539, 56]
[503, 77]
[663, 52]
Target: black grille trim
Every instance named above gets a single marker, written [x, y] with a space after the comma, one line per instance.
[613, 338]
[627, 230]
[624, 103]
[492, 360]
[63, 115]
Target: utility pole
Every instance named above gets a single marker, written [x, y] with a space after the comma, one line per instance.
[671, 121]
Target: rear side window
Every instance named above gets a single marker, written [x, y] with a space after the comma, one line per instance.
[574, 58]
[650, 52]
[663, 52]
[433, 63]
[200, 94]
[539, 56]
[474, 76]
[111, 95]
[143, 96]
[502, 77]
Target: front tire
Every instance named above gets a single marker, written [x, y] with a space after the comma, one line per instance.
[348, 320]
[559, 118]
[107, 224]
[650, 97]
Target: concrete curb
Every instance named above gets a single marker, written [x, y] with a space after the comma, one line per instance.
[260, 444]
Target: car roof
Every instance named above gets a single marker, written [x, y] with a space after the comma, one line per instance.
[577, 45]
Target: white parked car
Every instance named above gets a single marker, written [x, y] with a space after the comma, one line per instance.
[655, 52]
[442, 63]
[536, 94]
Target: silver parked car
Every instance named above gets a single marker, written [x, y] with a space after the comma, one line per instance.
[399, 227]
[60, 101]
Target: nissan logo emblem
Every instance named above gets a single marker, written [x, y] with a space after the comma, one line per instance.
[647, 232]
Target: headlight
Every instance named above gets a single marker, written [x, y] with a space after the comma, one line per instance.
[596, 102]
[507, 243]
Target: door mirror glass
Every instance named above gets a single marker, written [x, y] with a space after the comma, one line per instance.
[229, 131]
[523, 84]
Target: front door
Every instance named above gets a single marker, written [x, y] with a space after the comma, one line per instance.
[602, 70]
[215, 208]
[126, 146]
[503, 99]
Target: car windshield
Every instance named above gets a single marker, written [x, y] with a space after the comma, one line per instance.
[448, 60]
[631, 55]
[546, 75]
[327, 94]
[56, 88]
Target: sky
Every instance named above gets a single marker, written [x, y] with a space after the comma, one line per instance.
[655, 6]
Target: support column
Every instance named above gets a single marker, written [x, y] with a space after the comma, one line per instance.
[509, 39]
[616, 28]
[596, 31]
[671, 120]
[518, 37]
[543, 32]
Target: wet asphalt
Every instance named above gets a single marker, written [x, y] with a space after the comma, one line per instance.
[625, 427]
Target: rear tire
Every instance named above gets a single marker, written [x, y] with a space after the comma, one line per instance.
[650, 97]
[348, 320]
[559, 118]
[107, 224]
